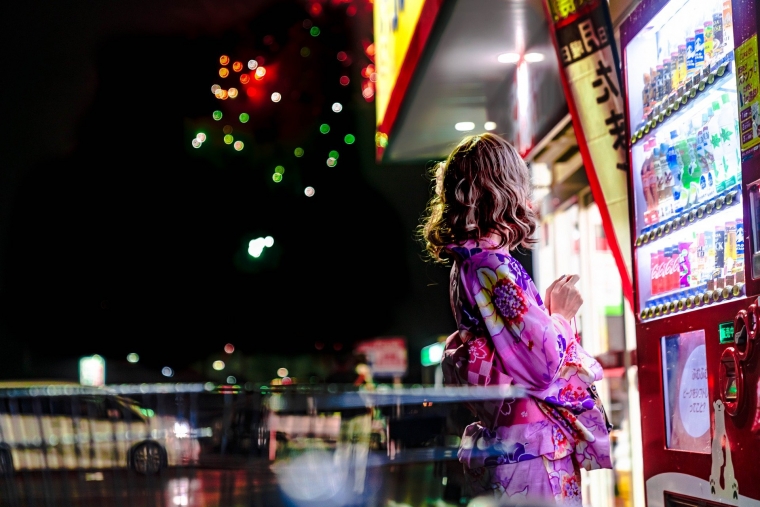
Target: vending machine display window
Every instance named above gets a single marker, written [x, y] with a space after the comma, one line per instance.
[686, 393]
[685, 156]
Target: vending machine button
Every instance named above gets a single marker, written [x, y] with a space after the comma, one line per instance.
[681, 304]
[639, 240]
[682, 220]
[717, 295]
[644, 313]
[666, 228]
[650, 236]
[707, 297]
[730, 197]
[658, 310]
[658, 231]
[692, 216]
[689, 301]
[719, 202]
[727, 291]
[709, 207]
[701, 212]
[738, 289]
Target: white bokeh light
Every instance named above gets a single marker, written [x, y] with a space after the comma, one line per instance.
[309, 191]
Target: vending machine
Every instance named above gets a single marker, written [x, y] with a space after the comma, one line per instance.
[690, 73]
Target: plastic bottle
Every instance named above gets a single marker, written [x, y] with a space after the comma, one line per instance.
[709, 41]
[728, 27]
[682, 57]
[684, 264]
[654, 273]
[669, 180]
[729, 250]
[698, 260]
[713, 148]
[739, 264]
[674, 272]
[709, 257]
[720, 253]
[690, 54]
[727, 122]
[691, 165]
[699, 49]
[671, 159]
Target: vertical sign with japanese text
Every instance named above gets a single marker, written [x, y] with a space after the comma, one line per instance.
[589, 69]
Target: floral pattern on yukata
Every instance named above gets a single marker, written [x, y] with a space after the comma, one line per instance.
[530, 447]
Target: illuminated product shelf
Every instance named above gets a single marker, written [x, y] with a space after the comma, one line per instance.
[691, 298]
[713, 206]
[681, 100]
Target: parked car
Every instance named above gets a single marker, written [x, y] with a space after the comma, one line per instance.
[67, 426]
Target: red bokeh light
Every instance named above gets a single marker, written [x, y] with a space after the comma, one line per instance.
[245, 78]
[315, 9]
[319, 345]
[237, 66]
[344, 80]
[351, 11]
[342, 56]
[229, 348]
[337, 346]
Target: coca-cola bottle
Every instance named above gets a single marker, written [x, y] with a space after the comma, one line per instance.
[655, 273]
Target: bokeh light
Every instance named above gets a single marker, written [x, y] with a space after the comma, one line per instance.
[260, 73]
[314, 31]
[228, 139]
[349, 139]
[218, 365]
[252, 64]
[351, 11]
[277, 177]
[276, 97]
[368, 93]
[224, 72]
[309, 191]
[282, 372]
[244, 117]
[334, 154]
[342, 56]
[381, 139]
[489, 125]
[337, 107]
[132, 357]
[237, 66]
[298, 152]
[167, 372]
[307, 23]
[231, 380]
[229, 348]
[305, 52]
[324, 128]
[219, 94]
[315, 9]
[238, 145]
[196, 143]
[217, 115]
[214, 88]
[245, 79]
[279, 169]
[224, 59]
[227, 129]
[201, 136]
[332, 162]
[344, 80]
[233, 92]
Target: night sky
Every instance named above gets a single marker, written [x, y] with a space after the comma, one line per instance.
[116, 235]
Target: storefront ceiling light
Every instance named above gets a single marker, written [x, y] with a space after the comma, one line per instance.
[509, 57]
[534, 57]
[489, 125]
[464, 126]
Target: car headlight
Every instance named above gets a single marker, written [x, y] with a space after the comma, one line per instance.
[181, 430]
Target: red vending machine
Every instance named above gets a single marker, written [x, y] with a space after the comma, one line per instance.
[690, 70]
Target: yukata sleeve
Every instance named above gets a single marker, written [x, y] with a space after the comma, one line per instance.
[530, 342]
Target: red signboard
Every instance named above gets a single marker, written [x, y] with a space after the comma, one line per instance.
[387, 356]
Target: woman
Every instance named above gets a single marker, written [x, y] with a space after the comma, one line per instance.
[528, 448]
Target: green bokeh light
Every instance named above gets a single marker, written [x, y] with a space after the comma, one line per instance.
[314, 31]
[228, 139]
[305, 52]
[334, 154]
[279, 170]
[324, 128]
[217, 115]
[349, 139]
[244, 117]
[298, 152]
[277, 177]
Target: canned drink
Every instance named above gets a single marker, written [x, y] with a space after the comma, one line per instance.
[699, 48]
[717, 29]
[690, 48]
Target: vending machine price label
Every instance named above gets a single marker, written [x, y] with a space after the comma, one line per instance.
[726, 332]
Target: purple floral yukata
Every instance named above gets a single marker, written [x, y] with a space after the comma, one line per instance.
[530, 447]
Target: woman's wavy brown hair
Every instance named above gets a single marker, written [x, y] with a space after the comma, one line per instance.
[482, 188]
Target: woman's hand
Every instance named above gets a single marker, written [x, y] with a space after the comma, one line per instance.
[563, 297]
